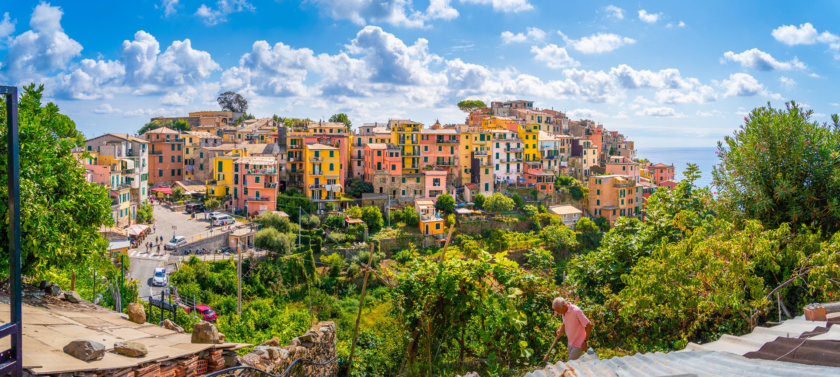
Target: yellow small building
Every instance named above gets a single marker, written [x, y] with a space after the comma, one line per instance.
[406, 135]
[430, 222]
[321, 174]
[530, 136]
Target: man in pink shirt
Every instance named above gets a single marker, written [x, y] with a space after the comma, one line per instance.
[575, 324]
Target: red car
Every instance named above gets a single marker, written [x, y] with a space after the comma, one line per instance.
[206, 312]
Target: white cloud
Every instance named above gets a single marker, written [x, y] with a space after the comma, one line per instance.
[707, 114]
[505, 6]
[170, 7]
[441, 9]
[223, 8]
[681, 24]
[41, 50]
[92, 80]
[649, 18]
[532, 34]
[394, 12]
[586, 114]
[762, 61]
[553, 56]
[669, 78]
[804, 34]
[663, 112]
[7, 26]
[701, 94]
[179, 65]
[787, 82]
[744, 85]
[598, 43]
[614, 11]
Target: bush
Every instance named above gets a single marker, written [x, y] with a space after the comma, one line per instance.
[410, 216]
[272, 240]
[373, 218]
[445, 203]
[334, 222]
[479, 201]
[273, 220]
[529, 210]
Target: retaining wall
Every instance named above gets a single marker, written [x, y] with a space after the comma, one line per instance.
[317, 345]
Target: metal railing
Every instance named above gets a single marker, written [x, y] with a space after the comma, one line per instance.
[245, 367]
[11, 360]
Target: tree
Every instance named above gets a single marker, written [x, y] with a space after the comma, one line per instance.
[529, 210]
[781, 167]
[310, 221]
[177, 194]
[242, 118]
[559, 238]
[498, 203]
[357, 187]
[469, 106]
[212, 204]
[145, 214]
[334, 222]
[354, 212]
[61, 212]
[410, 216]
[273, 220]
[341, 118]
[231, 101]
[589, 234]
[373, 218]
[180, 125]
[445, 203]
[272, 240]
[517, 200]
[479, 201]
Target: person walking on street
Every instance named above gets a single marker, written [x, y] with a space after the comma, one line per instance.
[576, 327]
[158, 250]
[154, 228]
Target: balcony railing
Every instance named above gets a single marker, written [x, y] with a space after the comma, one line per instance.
[262, 171]
[316, 187]
[440, 141]
[258, 199]
[157, 152]
[411, 154]
[514, 149]
[480, 153]
[445, 163]
[270, 184]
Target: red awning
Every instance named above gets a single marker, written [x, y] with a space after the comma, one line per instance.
[163, 190]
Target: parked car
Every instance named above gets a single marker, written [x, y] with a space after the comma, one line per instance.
[175, 243]
[221, 219]
[160, 279]
[195, 208]
[206, 312]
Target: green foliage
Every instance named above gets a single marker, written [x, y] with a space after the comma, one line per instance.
[61, 212]
[588, 233]
[499, 203]
[272, 240]
[781, 167]
[242, 118]
[232, 101]
[334, 222]
[145, 213]
[177, 125]
[529, 210]
[354, 212]
[445, 203]
[341, 118]
[559, 238]
[410, 216]
[517, 200]
[540, 259]
[336, 238]
[212, 204]
[479, 201]
[295, 203]
[373, 218]
[270, 219]
[357, 187]
[177, 194]
[310, 221]
[572, 185]
[469, 106]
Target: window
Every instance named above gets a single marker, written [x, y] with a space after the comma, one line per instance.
[160, 172]
[332, 154]
[378, 153]
[393, 167]
[437, 226]
[179, 158]
[172, 172]
[200, 154]
[236, 168]
[219, 169]
[171, 145]
[200, 166]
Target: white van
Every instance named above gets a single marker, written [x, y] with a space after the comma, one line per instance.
[221, 219]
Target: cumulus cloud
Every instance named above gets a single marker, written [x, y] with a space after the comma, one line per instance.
[586, 114]
[598, 43]
[148, 71]
[41, 50]
[394, 12]
[92, 80]
[614, 12]
[662, 112]
[505, 6]
[170, 7]
[212, 16]
[804, 34]
[553, 56]
[744, 85]
[7, 26]
[700, 94]
[762, 61]
[532, 34]
[649, 18]
[787, 82]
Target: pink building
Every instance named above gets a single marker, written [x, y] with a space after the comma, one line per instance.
[255, 184]
[620, 165]
[369, 133]
[439, 149]
[382, 158]
[435, 182]
[100, 174]
[661, 173]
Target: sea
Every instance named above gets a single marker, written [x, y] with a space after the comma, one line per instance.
[705, 158]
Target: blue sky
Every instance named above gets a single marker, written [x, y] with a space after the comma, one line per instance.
[664, 73]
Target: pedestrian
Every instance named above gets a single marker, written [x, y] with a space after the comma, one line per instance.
[158, 250]
[575, 325]
[154, 228]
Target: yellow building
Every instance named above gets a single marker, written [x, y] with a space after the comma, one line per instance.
[321, 174]
[223, 174]
[475, 153]
[406, 135]
[530, 136]
[430, 222]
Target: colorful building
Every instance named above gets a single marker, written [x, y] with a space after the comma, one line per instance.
[406, 135]
[660, 173]
[166, 156]
[322, 174]
[614, 196]
[507, 157]
[430, 221]
[135, 154]
[383, 168]
[256, 179]
[618, 165]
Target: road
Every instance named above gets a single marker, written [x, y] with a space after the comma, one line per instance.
[143, 264]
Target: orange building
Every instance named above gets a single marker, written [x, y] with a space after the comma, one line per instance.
[430, 222]
[660, 173]
[255, 184]
[381, 158]
[541, 180]
[166, 156]
[614, 196]
[620, 165]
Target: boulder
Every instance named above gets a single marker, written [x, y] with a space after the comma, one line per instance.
[205, 333]
[221, 338]
[172, 326]
[72, 296]
[130, 349]
[136, 313]
[52, 290]
[85, 350]
[273, 342]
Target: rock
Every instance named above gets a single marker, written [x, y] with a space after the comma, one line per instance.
[130, 349]
[72, 296]
[85, 350]
[273, 342]
[136, 313]
[52, 290]
[205, 333]
[172, 326]
[221, 338]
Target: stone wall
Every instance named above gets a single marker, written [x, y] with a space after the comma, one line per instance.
[211, 243]
[317, 345]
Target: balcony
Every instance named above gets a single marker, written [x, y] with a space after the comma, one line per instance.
[155, 153]
[211, 182]
[446, 141]
[317, 187]
[132, 153]
[258, 199]
[316, 159]
[262, 171]
[445, 163]
[270, 184]
[514, 149]
[480, 153]
[411, 154]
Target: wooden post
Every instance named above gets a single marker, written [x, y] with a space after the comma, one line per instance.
[361, 306]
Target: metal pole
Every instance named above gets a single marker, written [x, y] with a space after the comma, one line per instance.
[361, 305]
[239, 278]
[13, 187]
[161, 307]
